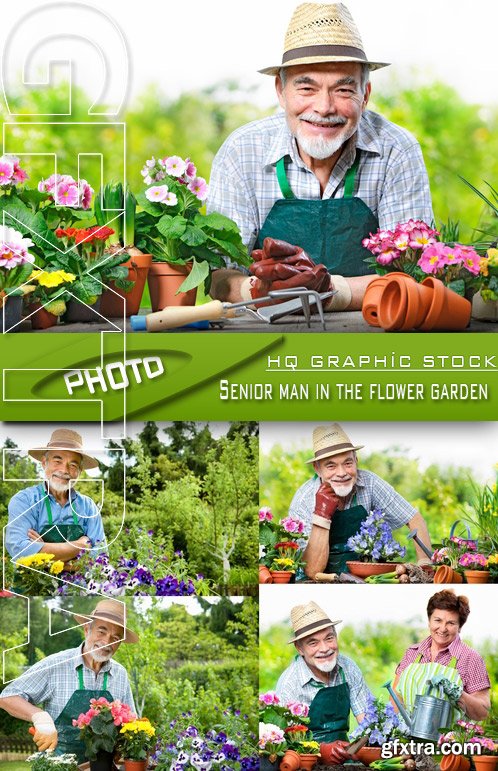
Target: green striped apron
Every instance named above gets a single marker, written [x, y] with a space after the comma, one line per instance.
[413, 681]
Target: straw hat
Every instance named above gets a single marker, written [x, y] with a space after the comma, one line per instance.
[65, 439]
[112, 611]
[309, 618]
[322, 33]
[331, 440]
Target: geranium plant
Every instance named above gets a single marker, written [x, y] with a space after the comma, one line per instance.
[100, 725]
[48, 761]
[136, 738]
[374, 541]
[172, 228]
[413, 248]
[381, 723]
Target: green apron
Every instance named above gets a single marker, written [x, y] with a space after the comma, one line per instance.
[413, 681]
[330, 230]
[69, 735]
[345, 524]
[60, 533]
[329, 711]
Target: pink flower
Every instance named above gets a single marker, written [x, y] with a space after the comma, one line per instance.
[298, 709]
[265, 514]
[388, 255]
[421, 236]
[6, 171]
[199, 188]
[269, 698]
[158, 193]
[86, 193]
[170, 200]
[291, 525]
[175, 166]
[190, 171]
[19, 174]
[432, 257]
[470, 258]
[401, 240]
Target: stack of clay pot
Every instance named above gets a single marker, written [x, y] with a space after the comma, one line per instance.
[398, 303]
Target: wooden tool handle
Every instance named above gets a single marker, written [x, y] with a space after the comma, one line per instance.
[172, 317]
[329, 578]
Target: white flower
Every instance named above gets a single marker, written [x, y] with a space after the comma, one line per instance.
[12, 236]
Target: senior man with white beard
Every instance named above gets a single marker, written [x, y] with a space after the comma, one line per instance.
[52, 517]
[330, 683]
[65, 682]
[335, 502]
[321, 175]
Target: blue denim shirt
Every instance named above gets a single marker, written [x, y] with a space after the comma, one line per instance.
[27, 511]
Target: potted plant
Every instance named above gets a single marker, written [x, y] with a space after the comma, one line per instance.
[271, 746]
[135, 740]
[381, 724]
[84, 257]
[446, 559]
[300, 739]
[109, 200]
[99, 728]
[475, 567]
[375, 546]
[185, 243]
[47, 761]
[464, 733]
[49, 296]
[272, 712]
[483, 516]
[279, 555]
[37, 573]
[16, 265]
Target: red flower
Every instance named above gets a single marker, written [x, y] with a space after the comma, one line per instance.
[295, 728]
[287, 545]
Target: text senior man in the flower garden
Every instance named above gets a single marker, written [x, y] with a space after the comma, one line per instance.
[52, 517]
[65, 682]
[322, 175]
[330, 683]
[335, 502]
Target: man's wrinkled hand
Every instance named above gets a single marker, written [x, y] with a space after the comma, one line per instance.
[326, 503]
[279, 265]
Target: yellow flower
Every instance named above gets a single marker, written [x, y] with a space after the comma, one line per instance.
[483, 266]
[140, 725]
[493, 256]
[56, 278]
[57, 567]
[35, 560]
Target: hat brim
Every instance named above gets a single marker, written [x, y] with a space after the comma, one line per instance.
[321, 60]
[340, 451]
[88, 461]
[326, 623]
[129, 635]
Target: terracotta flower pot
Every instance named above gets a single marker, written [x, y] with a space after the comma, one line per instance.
[373, 293]
[111, 306]
[446, 575]
[265, 576]
[41, 318]
[365, 569]
[164, 281]
[291, 761]
[10, 313]
[281, 576]
[135, 765]
[454, 763]
[476, 576]
[448, 311]
[404, 304]
[485, 762]
[368, 755]
[307, 761]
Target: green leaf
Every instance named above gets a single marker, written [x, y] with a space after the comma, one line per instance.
[458, 286]
[32, 197]
[228, 248]
[193, 236]
[33, 225]
[172, 227]
[216, 221]
[148, 206]
[81, 214]
[200, 271]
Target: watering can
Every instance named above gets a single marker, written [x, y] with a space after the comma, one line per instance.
[430, 713]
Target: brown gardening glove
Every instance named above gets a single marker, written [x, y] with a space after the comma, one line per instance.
[326, 503]
[279, 265]
[335, 752]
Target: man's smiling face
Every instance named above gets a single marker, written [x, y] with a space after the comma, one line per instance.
[320, 650]
[323, 104]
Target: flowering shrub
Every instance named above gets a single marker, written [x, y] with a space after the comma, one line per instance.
[225, 747]
[47, 761]
[136, 738]
[99, 725]
[413, 248]
[374, 541]
[15, 260]
[473, 561]
[38, 573]
[276, 551]
[381, 723]
[172, 228]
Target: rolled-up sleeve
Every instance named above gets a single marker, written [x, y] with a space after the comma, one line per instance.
[34, 685]
[22, 517]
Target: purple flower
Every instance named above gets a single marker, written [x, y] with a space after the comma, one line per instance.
[144, 576]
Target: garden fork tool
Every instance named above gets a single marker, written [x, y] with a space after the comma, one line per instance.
[302, 299]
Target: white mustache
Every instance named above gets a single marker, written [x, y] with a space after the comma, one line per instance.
[331, 120]
[325, 655]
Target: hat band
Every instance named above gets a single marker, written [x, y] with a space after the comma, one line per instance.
[107, 617]
[344, 446]
[324, 50]
[310, 627]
